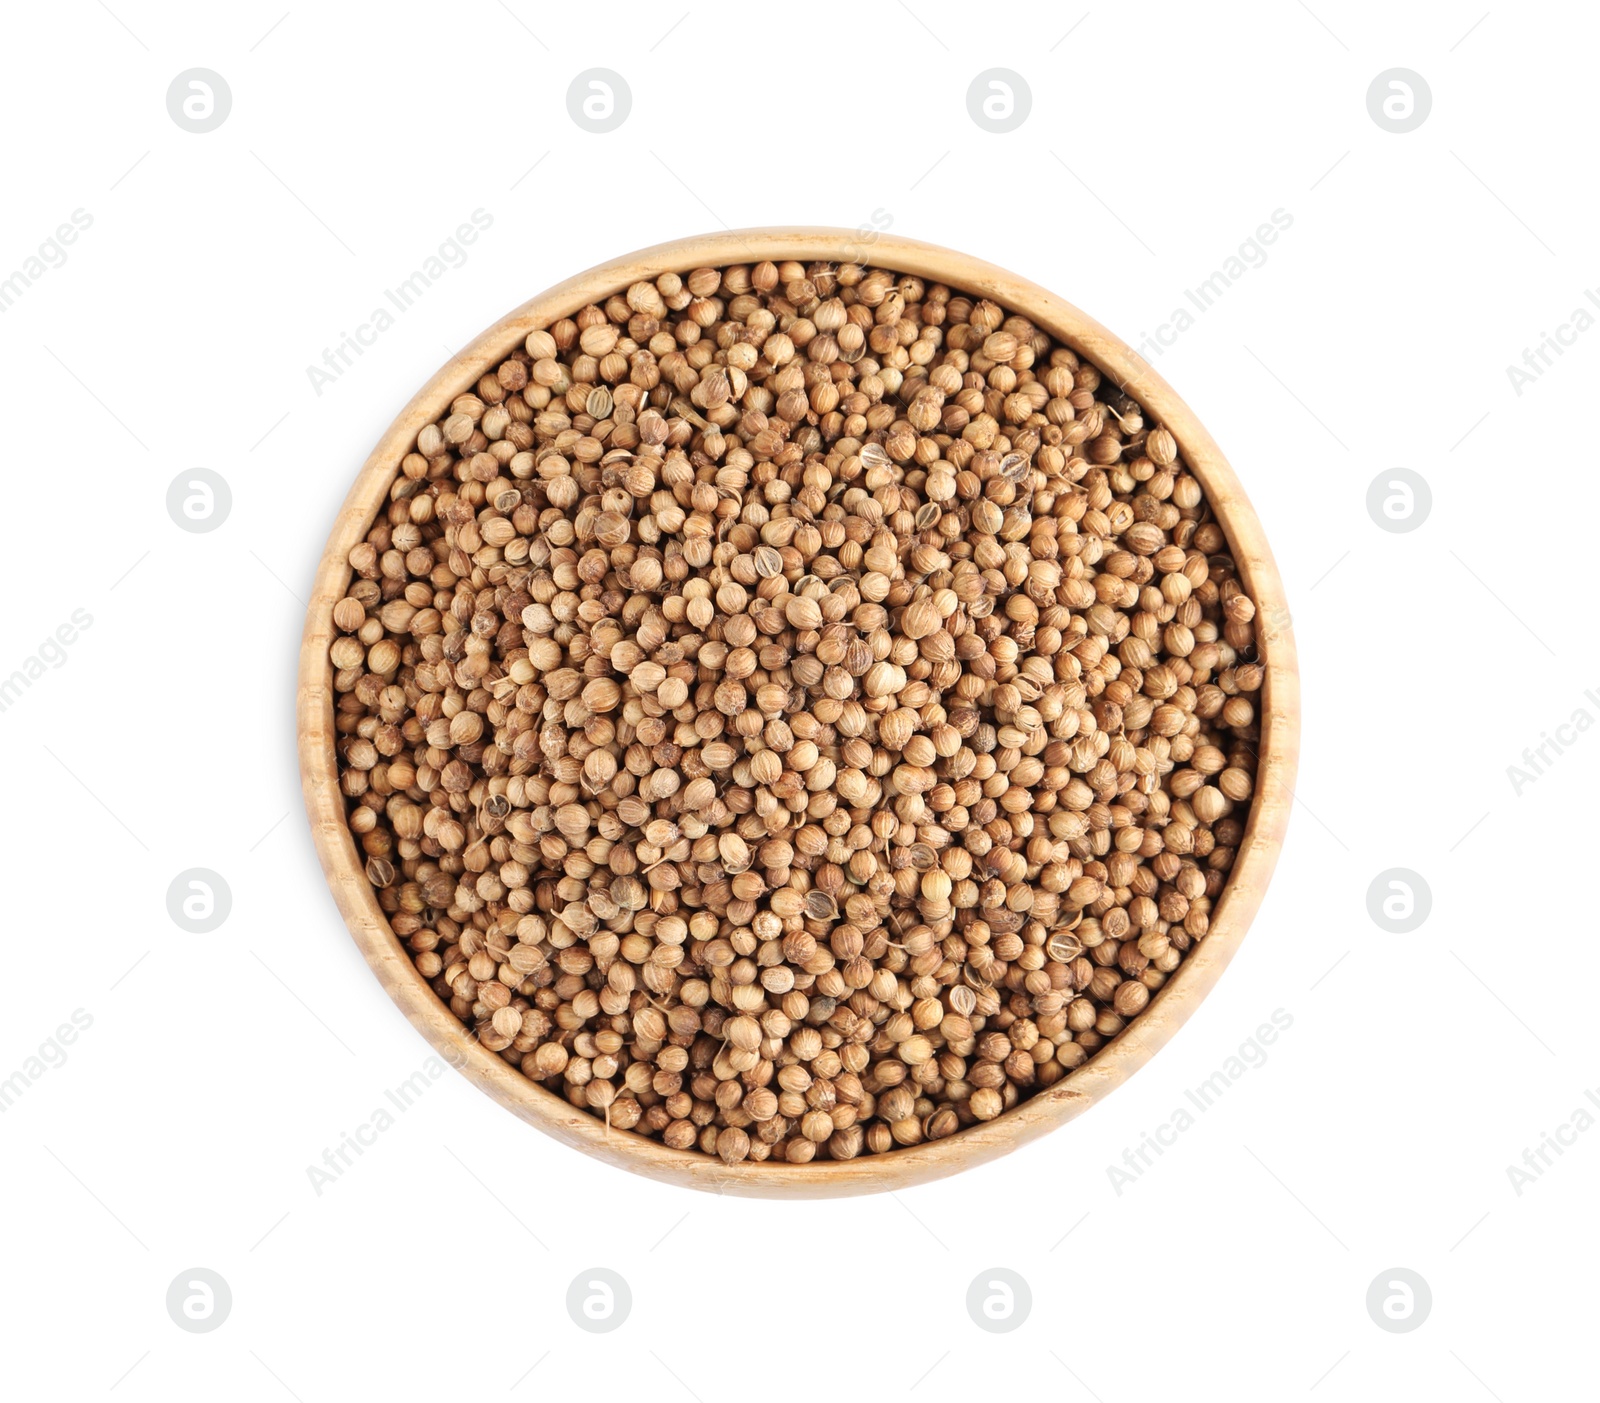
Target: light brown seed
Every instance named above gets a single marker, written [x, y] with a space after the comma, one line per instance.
[795, 744]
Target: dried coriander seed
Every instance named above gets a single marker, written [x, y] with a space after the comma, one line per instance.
[796, 711]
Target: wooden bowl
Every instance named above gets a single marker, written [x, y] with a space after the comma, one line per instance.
[1071, 1096]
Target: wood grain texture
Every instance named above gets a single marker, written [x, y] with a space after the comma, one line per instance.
[1107, 1069]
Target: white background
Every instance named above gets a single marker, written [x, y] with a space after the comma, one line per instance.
[177, 335]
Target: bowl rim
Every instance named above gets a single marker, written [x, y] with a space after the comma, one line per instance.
[901, 1168]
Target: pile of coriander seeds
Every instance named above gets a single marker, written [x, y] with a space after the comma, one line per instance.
[795, 711]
